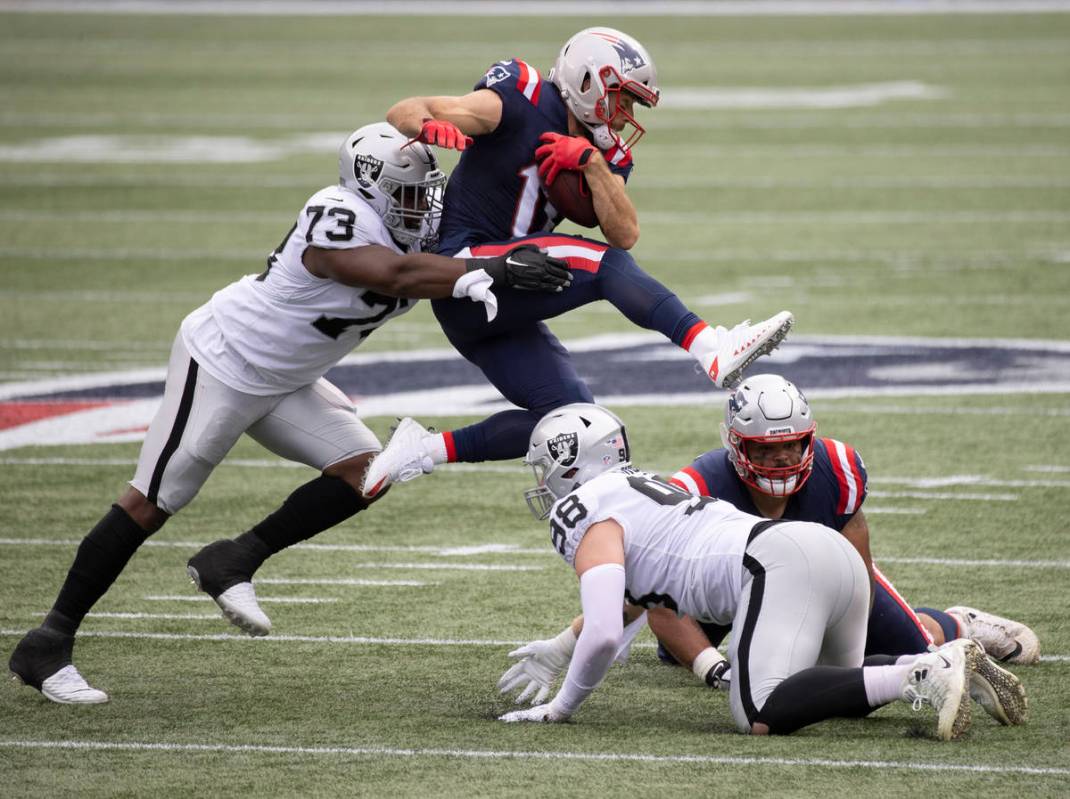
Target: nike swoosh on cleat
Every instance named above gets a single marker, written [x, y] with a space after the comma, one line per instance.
[1014, 653]
[947, 663]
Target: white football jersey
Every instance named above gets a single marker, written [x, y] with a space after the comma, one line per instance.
[681, 552]
[278, 331]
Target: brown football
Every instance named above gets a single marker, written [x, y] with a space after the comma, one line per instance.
[571, 196]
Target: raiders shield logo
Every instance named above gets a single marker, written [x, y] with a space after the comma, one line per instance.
[564, 447]
[367, 166]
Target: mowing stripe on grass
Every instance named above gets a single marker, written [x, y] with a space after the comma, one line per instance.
[916, 482]
[497, 8]
[345, 639]
[482, 754]
[842, 217]
[984, 182]
[505, 549]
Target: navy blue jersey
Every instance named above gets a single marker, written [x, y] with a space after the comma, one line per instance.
[833, 494]
[494, 193]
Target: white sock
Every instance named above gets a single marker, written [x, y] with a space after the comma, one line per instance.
[883, 683]
[906, 660]
[704, 343]
[435, 446]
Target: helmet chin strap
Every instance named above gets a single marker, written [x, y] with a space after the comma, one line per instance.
[602, 137]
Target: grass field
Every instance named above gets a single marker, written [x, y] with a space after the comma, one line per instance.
[943, 213]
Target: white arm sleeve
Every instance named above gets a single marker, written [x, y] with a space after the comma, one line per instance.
[602, 596]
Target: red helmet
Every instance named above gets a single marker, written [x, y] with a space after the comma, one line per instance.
[768, 409]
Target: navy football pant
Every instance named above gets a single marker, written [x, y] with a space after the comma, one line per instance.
[524, 360]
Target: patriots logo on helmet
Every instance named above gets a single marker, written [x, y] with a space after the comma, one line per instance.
[564, 447]
[736, 401]
[630, 58]
[496, 74]
[367, 166]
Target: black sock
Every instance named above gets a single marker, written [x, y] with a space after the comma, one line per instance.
[312, 508]
[880, 660]
[812, 695]
[101, 557]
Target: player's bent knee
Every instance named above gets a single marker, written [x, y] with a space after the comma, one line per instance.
[352, 471]
[147, 515]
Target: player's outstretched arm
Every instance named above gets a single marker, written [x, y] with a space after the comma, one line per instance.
[447, 121]
[427, 276]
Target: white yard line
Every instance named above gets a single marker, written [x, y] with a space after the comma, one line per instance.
[972, 562]
[943, 495]
[483, 754]
[337, 581]
[160, 616]
[279, 600]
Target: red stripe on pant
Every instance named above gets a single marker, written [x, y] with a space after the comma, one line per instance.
[886, 583]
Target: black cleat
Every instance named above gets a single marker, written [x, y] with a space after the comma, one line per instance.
[42, 660]
[224, 570]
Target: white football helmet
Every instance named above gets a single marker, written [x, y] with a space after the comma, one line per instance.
[593, 68]
[398, 178]
[568, 447]
[768, 409]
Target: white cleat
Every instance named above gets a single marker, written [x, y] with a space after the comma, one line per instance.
[403, 458]
[998, 691]
[739, 347]
[1005, 640]
[941, 679]
[239, 605]
[68, 687]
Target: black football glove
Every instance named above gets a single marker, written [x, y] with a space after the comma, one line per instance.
[526, 268]
[715, 676]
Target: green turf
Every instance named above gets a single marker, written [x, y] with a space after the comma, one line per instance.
[942, 217]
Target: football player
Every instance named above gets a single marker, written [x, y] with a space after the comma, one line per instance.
[774, 466]
[796, 593]
[252, 359]
[517, 129]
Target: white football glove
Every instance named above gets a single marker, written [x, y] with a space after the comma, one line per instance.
[540, 664]
[539, 713]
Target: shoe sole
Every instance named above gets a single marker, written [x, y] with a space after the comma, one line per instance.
[1027, 646]
[732, 379]
[999, 692]
[235, 618]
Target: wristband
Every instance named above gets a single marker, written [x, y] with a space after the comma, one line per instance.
[706, 660]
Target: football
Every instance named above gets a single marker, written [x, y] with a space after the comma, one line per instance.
[571, 196]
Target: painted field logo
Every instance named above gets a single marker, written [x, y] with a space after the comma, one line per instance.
[633, 369]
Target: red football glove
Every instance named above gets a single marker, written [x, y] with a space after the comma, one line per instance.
[570, 153]
[441, 133]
